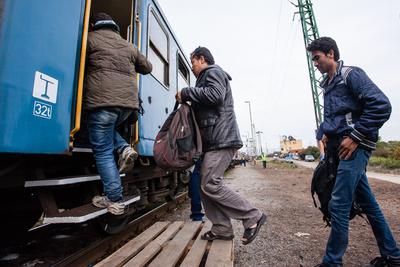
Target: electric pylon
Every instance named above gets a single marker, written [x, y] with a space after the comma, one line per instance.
[310, 33]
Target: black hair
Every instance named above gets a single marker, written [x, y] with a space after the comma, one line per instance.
[325, 44]
[203, 51]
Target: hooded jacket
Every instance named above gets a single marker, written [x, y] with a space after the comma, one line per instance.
[212, 103]
[354, 106]
[111, 68]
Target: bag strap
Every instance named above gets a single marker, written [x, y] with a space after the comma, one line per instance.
[176, 105]
[199, 143]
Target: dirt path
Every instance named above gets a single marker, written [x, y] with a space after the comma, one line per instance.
[394, 178]
[295, 234]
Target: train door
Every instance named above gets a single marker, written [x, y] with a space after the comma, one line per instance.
[122, 12]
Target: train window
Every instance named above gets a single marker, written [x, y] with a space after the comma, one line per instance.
[158, 50]
[183, 74]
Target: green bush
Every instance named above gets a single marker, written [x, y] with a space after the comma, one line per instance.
[389, 149]
[381, 152]
[396, 152]
[387, 163]
[376, 161]
[391, 163]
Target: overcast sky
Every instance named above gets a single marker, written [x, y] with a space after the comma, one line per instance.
[263, 50]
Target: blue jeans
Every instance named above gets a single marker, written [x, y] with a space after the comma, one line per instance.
[194, 193]
[105, 139]
[351, 181]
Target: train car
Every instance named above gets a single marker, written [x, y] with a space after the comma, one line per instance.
[46, 168]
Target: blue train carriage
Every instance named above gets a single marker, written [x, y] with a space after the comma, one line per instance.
[46, 164]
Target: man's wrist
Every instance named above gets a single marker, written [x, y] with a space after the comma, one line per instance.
[352, 138]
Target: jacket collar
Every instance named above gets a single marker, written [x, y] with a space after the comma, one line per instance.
[325, 80]
[214, 66]
[203, 71]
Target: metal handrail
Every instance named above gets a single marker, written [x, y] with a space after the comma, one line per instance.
[139, 36]
[78, 111]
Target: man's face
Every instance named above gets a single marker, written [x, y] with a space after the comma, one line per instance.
[323, 62]
[198, 64]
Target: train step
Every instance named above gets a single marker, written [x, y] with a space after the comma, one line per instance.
[83, 213]
[173, 244]
[63, 181]
[82, 150]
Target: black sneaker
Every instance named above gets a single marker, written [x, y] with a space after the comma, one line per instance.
[393, 261]
[388, 261]
[377, 262]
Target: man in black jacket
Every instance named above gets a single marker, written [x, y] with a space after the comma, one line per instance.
[354, 110]
[212, 103]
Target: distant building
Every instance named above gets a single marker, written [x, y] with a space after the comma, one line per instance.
[290, 144]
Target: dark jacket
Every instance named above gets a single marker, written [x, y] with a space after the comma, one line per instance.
[354, 106]
[212, 103]
[111, 68]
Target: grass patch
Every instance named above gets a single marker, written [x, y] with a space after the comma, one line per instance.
[282, 164]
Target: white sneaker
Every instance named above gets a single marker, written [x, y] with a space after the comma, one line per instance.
[116, 208]
[127, 159]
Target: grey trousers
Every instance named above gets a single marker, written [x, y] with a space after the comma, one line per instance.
[220, 203]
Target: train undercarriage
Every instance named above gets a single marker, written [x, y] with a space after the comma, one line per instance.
[58, 189]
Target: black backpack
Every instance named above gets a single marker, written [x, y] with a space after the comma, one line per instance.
[322, 184]
[178, 144]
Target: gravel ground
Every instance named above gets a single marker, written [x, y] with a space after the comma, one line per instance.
[295, 234]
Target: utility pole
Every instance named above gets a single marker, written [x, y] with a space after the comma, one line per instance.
[310, 33]
[252, 130]
[259, 140]
[247, 143]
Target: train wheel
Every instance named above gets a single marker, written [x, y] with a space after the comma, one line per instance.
[111, 224]
[184, 177]
[19, 210]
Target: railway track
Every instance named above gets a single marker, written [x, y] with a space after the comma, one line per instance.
[84, 249]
